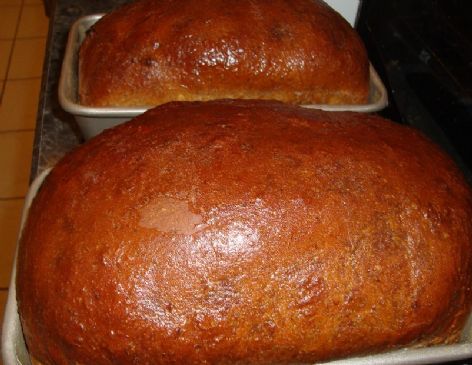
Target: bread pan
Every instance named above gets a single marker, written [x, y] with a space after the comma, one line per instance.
[93, 120]
[14, 350]
[349, 9]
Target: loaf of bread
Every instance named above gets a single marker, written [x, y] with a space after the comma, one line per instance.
[154, 51]
[247, 232]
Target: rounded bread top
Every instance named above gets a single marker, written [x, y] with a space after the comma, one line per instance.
[245, 231]
[154, 51]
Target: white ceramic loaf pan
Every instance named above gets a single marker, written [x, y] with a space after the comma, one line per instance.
[93, 120]
[14, 350]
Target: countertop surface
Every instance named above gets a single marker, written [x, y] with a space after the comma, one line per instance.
[56, 131]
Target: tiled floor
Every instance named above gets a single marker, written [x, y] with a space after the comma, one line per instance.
[23, 30]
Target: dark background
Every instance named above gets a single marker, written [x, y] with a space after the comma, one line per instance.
[422, 50]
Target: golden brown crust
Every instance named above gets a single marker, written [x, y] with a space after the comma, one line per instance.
[154, 51]
[34, 361]
[245, 232]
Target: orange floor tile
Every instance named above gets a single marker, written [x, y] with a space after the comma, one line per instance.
[23, 31]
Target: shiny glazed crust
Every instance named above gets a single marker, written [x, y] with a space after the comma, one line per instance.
[155, 51]
[245, 232]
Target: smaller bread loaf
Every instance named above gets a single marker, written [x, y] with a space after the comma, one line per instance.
[244, 232]
[153, 51]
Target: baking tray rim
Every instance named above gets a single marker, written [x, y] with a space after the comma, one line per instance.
[13, 346]
[68, 70]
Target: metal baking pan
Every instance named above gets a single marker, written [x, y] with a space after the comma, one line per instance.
[14, 350]
[93, 120]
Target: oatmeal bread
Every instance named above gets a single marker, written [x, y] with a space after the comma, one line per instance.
[153, 51]
[245, 232]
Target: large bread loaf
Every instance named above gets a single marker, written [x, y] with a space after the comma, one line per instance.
[245, 232]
